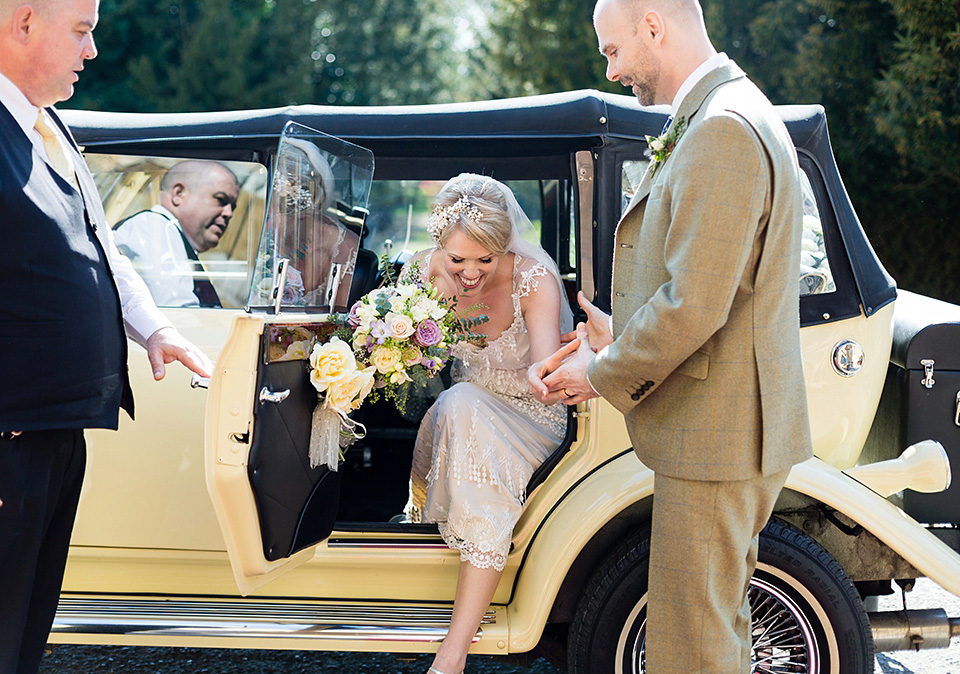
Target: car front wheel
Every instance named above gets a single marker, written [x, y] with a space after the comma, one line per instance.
[807, 614]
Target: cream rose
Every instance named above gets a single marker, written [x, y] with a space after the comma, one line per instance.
[385, 358]
[399, 325]
[298, 350]
[331, 362]
[348, 393]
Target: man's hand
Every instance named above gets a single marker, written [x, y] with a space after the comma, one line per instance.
[599, 328]
[167, 345]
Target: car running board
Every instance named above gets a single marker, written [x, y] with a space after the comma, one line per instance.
[222, 623]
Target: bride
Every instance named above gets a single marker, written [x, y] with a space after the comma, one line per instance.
[480, 442]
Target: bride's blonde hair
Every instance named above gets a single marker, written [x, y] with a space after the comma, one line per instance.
[477, 206]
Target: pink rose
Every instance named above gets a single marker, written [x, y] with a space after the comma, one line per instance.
[354, 318]
[428, 333]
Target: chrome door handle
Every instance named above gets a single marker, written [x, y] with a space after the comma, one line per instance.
[199, 382]
[268, 396]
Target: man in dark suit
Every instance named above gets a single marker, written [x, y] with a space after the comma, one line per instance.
[65, 295]
[702, 355]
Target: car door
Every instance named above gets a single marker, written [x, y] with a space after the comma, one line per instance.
[272, 507]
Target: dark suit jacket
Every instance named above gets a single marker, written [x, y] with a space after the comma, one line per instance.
[63, 350]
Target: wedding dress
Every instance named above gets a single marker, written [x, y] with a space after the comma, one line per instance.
[482, 439]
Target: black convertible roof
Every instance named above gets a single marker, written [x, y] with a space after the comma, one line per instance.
[574, 114]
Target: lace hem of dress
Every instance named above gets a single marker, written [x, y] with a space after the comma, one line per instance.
[472, 552]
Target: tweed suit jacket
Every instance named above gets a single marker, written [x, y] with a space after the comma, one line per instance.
[706, 363]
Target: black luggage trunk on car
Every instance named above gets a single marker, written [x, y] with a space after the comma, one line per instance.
[921, 399]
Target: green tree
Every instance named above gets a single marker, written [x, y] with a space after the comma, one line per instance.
[919, 102]
[541, 46]
[384, 52]
[918, 114]
[188, 55]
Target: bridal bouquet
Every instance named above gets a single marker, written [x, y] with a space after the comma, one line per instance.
[395, 336]
[405, 333]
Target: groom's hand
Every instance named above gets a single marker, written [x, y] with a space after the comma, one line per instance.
[599, 327]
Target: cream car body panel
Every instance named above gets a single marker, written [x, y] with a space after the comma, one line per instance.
[842, 408]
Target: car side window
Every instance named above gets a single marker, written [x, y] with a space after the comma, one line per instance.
[815, 275]
[190, 227]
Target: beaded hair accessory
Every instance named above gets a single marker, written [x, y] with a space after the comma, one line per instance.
[443, 216]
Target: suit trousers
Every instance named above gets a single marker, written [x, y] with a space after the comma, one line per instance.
[703, 551]
[41, 473]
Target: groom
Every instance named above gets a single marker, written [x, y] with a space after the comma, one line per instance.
[702, 354]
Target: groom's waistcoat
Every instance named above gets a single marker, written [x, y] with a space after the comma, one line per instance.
[63, 349]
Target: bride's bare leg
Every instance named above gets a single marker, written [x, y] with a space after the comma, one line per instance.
[475, 588]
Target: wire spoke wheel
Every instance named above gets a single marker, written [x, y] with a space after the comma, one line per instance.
[807, 617]
[784, 640]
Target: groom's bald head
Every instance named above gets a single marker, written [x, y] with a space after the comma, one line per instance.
[678, 10]
[651, 46]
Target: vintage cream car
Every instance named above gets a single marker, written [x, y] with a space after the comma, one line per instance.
[202, 524]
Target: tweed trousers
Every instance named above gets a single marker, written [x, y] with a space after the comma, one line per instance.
[703, 552]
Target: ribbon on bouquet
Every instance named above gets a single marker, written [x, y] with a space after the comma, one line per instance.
[330, 431]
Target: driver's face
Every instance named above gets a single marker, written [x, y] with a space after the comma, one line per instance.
[206, 208]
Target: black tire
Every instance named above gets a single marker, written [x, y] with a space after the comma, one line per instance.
[797, 584]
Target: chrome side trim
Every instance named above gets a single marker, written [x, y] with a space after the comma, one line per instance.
[585, 172]
[255, 619]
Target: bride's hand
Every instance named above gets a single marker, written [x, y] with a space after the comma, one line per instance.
[539, 370]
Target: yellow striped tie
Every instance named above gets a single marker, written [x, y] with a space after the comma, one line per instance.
[56, 146]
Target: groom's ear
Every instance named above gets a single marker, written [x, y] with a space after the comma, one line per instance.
[651, 26]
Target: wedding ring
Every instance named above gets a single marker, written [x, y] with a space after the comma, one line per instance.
[567, 393]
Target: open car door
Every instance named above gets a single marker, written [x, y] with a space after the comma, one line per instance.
[273, 508]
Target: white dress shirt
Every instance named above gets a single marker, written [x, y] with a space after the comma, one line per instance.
[140, 313]
[153, 242]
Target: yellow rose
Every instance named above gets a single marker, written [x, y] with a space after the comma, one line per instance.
[399, 325]
[385, 357]
[331, 362]
[348, 393]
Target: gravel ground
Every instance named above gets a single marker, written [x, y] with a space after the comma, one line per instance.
[66, 659]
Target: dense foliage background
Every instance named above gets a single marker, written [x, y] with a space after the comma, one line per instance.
[887, 72]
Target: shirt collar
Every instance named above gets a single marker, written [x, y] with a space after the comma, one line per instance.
[161, 210]
[701, 71]
[16, 102]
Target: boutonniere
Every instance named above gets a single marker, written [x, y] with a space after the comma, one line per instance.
[661, 146]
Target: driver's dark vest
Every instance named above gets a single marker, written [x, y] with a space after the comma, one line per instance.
[63, 350]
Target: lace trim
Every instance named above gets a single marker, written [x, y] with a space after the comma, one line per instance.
[473, 553]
